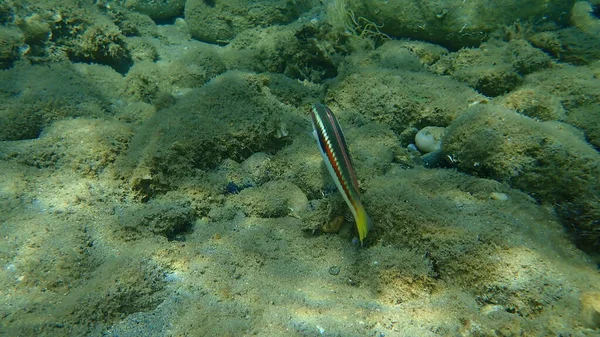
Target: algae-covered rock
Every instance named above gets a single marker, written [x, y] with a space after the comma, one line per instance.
[428, 53]
[259, 49]
[590, 309]
[41, 94]
[576, 44]
[198, 64]
[392, 54]
[293, 91]
[510, 60]
[568, 45]
[272, 200]
[103, 44]
[79, 32]
[53, 263]
[552, 164]
[453, 24]
[120, 288]
[220, 21]
[10, 41]
[168, 218]
[373, 148]
[257, 167]
[146, 82]
[157, 10]
[35, 28]
[587, 118]
[439, 213]
[311, 50]
[155, 83]
[82, 145]
[132, 23]
[546, 94]
[232, 116]
[141, 49]
[307, 171]
[498, 143]
[402, 99]
[536, 104]
[6, 13]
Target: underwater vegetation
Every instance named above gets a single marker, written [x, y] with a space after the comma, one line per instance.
[159, 176]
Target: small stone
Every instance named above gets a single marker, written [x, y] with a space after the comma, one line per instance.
[429, 138]
[334, 270]
[498, 196]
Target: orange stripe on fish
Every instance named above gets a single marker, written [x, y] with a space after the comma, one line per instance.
[334, 150]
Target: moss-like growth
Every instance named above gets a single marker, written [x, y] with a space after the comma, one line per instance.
[31, 98]
[274, 199]
[102, 44]
[402, 99]
[553, 165]
[510, 62]
[568, 93]
[157, 10]
[455, 24]
[231, 117]
[35, 28]
[220, 21]
[536, 104]
[10, 41]
[164, 217]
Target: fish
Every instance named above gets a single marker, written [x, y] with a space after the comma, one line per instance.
[333, 147]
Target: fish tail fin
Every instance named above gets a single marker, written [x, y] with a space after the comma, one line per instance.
[363, 223]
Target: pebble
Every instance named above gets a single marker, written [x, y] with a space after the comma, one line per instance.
[429, 138]
[334, 270]
[498, 196]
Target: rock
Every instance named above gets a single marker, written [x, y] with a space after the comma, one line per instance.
[510, 60]
[231, 117]
[35, 29]
[141, 49]
[157, 10]
[590, 309]
[429, 138]
[552, 164]
[494, 142]
[535, 103]
[585, 17]
[274, 199]
[498, 196]
[41, 101]
[402, 99]
[257, 166]
[164, 217]
[220, 21]
[452, 24]
[10, 41]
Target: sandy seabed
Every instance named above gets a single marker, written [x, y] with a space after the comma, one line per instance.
[155, 185]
